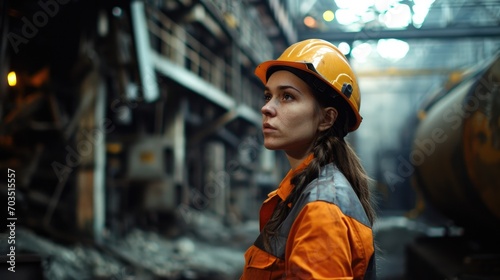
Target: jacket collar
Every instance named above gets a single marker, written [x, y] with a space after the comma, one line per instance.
[285, 187]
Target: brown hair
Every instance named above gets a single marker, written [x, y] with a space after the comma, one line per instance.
[329, 147]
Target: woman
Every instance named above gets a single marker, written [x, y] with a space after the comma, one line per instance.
[317, 224]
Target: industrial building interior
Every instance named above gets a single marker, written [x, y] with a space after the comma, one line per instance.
[133, 132]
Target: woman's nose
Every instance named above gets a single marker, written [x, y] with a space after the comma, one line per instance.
[268, 109]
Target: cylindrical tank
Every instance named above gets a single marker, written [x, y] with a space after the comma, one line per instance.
[456, 152]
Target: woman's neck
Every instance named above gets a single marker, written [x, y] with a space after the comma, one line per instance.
[295, 161]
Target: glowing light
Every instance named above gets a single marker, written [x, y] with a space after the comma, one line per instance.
[392, 49]
[367, 17]
[117, 11]
[361, 52]
[346, 17]
[310, 22]
[426, 3]
[420, 10]
[361, 7]
[383, 5]
[328, 15]
[12, 78]
[343, 4]
[355, 15]
[344, 48]
[397, 17]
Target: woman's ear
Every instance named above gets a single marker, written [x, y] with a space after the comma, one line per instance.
[329, 116]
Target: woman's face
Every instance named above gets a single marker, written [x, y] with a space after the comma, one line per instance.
[291, 115]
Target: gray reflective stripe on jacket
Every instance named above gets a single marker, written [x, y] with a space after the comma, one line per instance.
[320, 189]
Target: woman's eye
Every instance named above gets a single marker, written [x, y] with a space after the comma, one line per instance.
[287, 97]
[267, 97]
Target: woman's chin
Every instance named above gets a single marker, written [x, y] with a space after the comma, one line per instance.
[271, 146]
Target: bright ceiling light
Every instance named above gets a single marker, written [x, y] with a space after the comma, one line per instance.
[420, 10]
[343, 4]
[344, 48]
[310, 22]
[361, 7]
[426, 3]
[328, 15]
[367, 17]
[383, 5]
[361, 52]
[418, 19]
[392, 49]
[397, 17]
[346, 16]
[12, 78]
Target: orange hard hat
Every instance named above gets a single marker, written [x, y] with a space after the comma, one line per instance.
[327, 63]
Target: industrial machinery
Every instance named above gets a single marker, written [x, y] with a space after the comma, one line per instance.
[456, 161]
[120, 117]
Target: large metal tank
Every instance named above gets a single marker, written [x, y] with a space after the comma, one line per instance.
[456, 152]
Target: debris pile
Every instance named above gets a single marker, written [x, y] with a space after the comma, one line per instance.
[207, 250]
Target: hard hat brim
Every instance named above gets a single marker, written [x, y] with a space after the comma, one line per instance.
[261, 73]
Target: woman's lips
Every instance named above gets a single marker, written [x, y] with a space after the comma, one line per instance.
[266, 127]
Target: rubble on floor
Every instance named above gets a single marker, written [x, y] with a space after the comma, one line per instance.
[208, 250]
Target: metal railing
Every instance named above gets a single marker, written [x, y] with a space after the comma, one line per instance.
[174, 43]
[184, 50]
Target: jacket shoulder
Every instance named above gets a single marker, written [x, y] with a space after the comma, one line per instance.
[333, 187]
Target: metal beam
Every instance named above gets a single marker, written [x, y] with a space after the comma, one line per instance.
[191, 81]
[213, 126]
[196, 84]
[99, 192]
[399, 72]
[150, 90]
[242, 111]
[425, 33]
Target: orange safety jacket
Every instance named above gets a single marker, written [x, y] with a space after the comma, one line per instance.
[326, 235]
